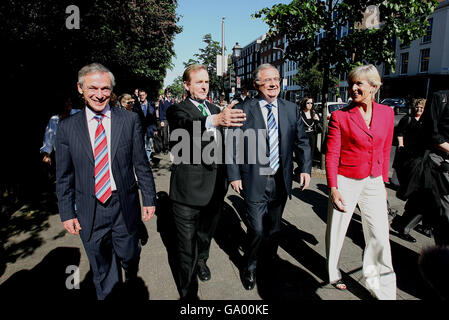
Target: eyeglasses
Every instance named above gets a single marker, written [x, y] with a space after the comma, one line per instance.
[103, 90]
[269, 80]
[129, 102]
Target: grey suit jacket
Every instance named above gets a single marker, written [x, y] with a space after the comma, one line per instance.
[75, 180]
[292, 138]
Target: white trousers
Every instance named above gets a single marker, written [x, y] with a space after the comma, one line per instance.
[370, 194]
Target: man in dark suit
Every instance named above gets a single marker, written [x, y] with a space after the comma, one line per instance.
[147, 114]
[164, 104]
[197, 184]
[266, 182]
[243, 95]
[97, 152]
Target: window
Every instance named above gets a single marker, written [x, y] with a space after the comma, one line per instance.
[269, 58]
[428, 36]
[404, 63]
[279, 42]
[274, 56]
[279, 55]
[424, 60]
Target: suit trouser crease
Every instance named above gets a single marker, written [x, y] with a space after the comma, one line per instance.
[109, 245]
[195, 227]
[264, 222]
[370, 194]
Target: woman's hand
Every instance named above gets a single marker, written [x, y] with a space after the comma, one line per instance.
[337, 199]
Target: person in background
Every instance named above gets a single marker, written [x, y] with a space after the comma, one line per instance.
[164, 104]
[311, 122]
[409, 132]
[126, 101]
[50, 132]
[357, 164]
[146, 111]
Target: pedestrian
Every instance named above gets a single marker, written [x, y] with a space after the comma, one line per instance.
[357, 162]
[164, 104]
[48, 145]
[409, 133]
[126, 101]
[436, 139]
[311, 122]
[265, 185]
[197, 188]
[98, 150]
[147, 114]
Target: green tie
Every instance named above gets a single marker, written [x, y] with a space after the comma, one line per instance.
[202, 109]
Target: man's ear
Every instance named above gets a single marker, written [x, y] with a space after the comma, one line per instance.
[80, 90]
[186, 85]
[255, 85]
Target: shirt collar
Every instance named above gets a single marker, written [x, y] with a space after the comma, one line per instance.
[263, 103]
[91, 114]
[197, 103]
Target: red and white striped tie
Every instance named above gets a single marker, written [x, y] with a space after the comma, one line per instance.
[102, 176]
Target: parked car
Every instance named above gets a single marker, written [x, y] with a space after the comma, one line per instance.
[398, 104]
[331, 107]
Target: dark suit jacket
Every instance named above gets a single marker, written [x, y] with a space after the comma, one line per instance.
[163, 107]
[149, 122]
[292, 138]
[75, 181]
[194, 182]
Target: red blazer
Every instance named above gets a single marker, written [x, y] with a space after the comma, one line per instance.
[353, 150]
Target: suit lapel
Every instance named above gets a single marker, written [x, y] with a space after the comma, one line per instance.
[356, 117]
[84, 135]
[282, 118]
[116, 130]
[257, 113]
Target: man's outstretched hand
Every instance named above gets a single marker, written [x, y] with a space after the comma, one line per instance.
[230, 117]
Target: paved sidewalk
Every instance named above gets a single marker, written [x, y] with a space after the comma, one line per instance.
[301, 271]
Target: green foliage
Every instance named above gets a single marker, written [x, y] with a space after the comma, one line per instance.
[134, 38]
[177, 87]
[311, 81]
[302, 20]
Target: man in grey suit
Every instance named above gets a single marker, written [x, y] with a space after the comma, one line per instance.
[97, 153]
[266, 182]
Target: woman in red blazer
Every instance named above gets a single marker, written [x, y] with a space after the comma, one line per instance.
[357, 162]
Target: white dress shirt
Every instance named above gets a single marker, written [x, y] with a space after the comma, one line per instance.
[274, 109]
[210, 117]
[92, 125]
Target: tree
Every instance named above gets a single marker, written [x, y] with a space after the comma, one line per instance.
[133, 38]
[311, 81]
[313, 31]
[177, 87]
[208, 57]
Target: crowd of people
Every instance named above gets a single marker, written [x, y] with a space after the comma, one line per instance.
[104, 156]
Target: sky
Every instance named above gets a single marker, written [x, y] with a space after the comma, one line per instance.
[200, 17]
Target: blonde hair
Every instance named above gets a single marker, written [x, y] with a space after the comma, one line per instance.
[419, 101]
[368, 72]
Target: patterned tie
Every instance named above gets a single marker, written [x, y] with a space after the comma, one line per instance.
[202, 109]
[102, 179]
[273, 139]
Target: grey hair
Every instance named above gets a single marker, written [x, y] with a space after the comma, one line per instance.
[259, 69]
[94, 68]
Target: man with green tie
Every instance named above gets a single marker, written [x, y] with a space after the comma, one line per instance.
[197, 185]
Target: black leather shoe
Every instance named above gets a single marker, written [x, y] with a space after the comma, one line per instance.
[406, 237]
[249, 279]
[203, 272]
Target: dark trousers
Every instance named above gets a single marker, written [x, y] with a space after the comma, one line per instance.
[109, 245]
[165, 136]
[195, 227]
[264, 222]
[413, 214]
